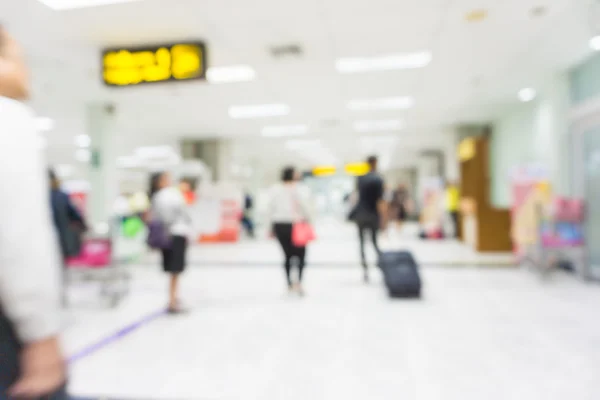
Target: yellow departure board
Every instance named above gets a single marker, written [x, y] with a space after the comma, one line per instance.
[357, 169]
[174, 62]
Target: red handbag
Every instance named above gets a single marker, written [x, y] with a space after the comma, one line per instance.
[302, 234]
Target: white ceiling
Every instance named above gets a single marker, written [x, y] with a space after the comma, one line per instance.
[476, 71]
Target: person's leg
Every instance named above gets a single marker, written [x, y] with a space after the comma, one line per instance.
[283, 233]
[176, 266]
[374, 231]
[454, 216]
[361, 237]
[362, 228]
[301, 253]
[173, 291]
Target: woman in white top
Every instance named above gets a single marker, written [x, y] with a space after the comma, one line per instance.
[288, 206]
[168, 205]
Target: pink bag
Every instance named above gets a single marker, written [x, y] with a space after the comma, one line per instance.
[302, 234]
[95, 253]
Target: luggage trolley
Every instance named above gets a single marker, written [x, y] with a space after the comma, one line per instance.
[97, 263]
[559, 238]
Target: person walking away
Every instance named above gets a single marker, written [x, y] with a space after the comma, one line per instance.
[169, 207]
[31, 362]
[289, 205]
[399, 205]
[68, 223]
[370, 209]
[247, 222]
[452, 206]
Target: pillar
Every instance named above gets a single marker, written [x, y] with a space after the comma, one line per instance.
[102, 173]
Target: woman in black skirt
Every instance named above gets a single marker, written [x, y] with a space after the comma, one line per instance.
[169, 206]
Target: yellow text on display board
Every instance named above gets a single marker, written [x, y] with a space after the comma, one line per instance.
[176, 62]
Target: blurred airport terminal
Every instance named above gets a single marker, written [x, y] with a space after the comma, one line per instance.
[305, 200]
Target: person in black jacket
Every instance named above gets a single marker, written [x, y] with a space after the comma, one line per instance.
[68, 221]
[370, 209]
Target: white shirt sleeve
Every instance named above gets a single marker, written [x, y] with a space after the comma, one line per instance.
[29, 261]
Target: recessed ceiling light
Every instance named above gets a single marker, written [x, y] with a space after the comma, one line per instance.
[538, 11]
[383, 63]
[284, 130]
[154, 152]
[384, 139]
[259, 111]
[233, 73]
[72, 4]
[302, 144]
[476, 15]
[44, 124]
[595, 43]
[527, 94]
[386, 103]
[380, 125]
[83, 155]
[83, 141]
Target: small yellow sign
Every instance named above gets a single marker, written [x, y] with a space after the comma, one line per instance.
[357, 169]
[466, 149]
[326, 170]
[176, 62]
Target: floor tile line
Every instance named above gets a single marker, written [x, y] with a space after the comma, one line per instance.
[114, 337]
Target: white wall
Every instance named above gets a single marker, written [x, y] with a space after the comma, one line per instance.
[533, 132]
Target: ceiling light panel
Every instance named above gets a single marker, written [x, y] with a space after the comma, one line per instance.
[385, 103]
[44, 124]
[284, 130]
[383, 63]
[83, 141]
[302, 144]
[527, 94]
[259, 111]
[229, 74]
[73, 4]
[378, 125]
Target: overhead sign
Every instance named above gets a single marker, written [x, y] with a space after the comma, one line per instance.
[174, 62]
[326, 170]
[357, 169]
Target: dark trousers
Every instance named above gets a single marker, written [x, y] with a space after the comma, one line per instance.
[10, 350]
[373, 228]
[455, 223]
[248, 225]
[283, 233]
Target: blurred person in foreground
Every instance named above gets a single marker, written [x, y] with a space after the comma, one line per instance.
[289, 205]
[169, 206]
[31, 362]
[371, 209]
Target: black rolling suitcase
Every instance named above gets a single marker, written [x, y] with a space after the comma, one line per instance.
[401, 274]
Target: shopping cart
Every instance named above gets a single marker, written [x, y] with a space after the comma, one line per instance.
[96, 264]
[559, 239]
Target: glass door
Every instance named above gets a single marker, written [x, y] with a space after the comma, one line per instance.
[591, 150]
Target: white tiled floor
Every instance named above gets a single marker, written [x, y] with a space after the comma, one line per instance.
[493, 334]
[337, 245]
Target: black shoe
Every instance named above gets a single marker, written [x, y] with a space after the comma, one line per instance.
[177, 311]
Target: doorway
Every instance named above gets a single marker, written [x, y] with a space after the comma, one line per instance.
[591, 175]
